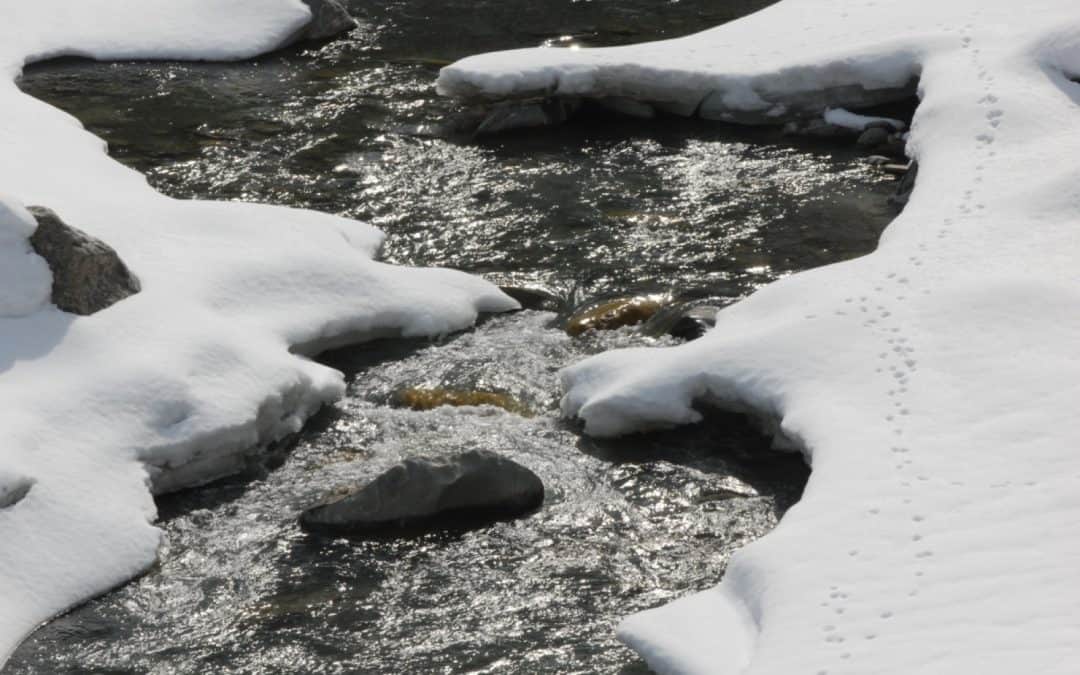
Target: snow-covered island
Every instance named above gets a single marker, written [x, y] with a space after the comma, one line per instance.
[931, 385]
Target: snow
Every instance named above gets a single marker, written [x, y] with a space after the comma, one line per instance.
[932, 385]
[178, 383]
[25, 279]
[850, 120]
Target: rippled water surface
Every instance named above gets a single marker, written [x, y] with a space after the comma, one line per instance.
[606, 206]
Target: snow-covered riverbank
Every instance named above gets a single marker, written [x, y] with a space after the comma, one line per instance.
[194, 371]
[931, 384]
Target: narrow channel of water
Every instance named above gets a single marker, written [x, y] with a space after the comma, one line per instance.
[699, 209]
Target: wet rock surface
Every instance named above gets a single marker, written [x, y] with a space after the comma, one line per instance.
[420, 398]
[88, 275]
[612, 314]
[473, 488]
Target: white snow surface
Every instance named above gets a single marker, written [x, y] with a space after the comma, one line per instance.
[25, 278]
[193, 371]
[932, 385]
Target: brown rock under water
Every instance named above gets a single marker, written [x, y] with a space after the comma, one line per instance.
[613, 314]
[419, 398]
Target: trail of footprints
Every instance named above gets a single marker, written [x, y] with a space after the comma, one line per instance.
[898, 364]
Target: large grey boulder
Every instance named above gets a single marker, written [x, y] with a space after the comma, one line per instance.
[472, 488]
[88, 275]
[328, 19]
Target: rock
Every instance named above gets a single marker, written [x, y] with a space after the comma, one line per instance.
[694, 324]
[873, 137]
[687, 321]
[906, 186]
[88, 275]
[535, 298]
[896, 146]
[328, 19]
[527, 114]
[418, 398]
[613, 314]
[473, 488]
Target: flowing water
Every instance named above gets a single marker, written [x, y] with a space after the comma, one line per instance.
[610, 207]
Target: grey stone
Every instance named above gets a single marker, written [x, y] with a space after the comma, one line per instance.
[534, 297]
[873, 137]
[328, 19]
[685, 321]
[475, 487]
[88, 275]
[527, 114]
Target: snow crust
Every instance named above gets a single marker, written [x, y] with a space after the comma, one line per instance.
[175, 385]
[932, 385]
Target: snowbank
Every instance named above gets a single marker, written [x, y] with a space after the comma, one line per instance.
[195, 370]
[932, 384]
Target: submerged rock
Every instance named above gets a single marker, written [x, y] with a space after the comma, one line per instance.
[873, 137]
[88, 275]
[419, 398]
[476, 487]
[613, 314]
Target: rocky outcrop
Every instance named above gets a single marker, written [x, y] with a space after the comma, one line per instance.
[88, 275]
[473, 488]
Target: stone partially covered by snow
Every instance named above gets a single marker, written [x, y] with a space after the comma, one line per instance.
[932, 385]
[179, 382]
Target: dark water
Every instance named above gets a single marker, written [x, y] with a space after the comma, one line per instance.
[698, 209]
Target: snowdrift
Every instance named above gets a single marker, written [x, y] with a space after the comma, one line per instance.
[172, 386]
[932, 384]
